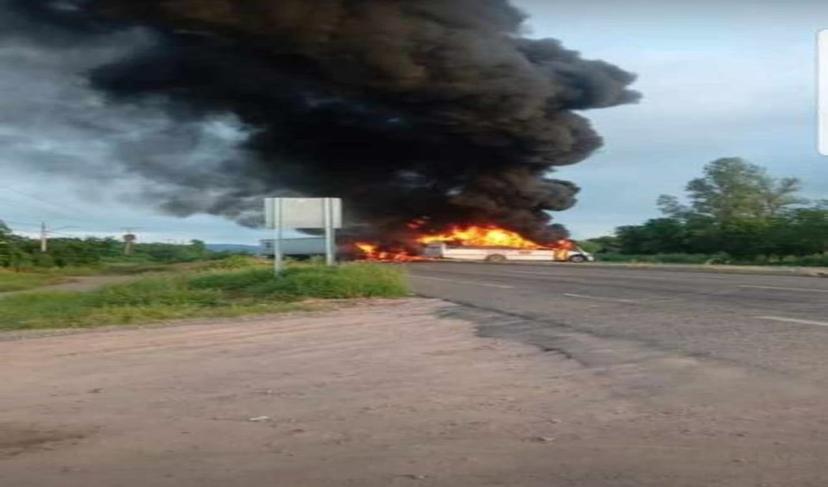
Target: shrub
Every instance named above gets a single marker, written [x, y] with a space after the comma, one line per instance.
[231, 281]
[674, 258]
[310, 281]
[233, 262]
[212, 293]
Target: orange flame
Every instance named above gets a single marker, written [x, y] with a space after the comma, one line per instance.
[466, 236]
[372, 252]
[478, 236]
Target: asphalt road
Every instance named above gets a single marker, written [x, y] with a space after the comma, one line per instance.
[764, 322]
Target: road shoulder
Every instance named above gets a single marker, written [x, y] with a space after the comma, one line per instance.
[699, 268]
[385, 393]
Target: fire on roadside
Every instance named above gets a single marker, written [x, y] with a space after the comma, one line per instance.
[463, 236]
[480, 236]
[373, 252]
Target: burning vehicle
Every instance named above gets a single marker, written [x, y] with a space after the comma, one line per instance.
[479, 243]
[567, 252]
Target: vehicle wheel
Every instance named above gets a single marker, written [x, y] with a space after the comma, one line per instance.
[496, 258]
[577, 258]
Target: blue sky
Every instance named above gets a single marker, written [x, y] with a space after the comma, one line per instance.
[734, 80]
[718, 80]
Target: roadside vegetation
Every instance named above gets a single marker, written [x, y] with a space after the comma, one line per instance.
[76, 256]
[735, 214]
[16, 281]
[24, 266]
[232, 287]
[817, 260]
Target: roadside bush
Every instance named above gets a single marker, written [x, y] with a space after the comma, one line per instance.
[153, 291]
[311, 281]
[347, 281]
[19, 281]
[212, 293]
[674, 258]
[657, 258]
[231, 281]
[234, 262]
[816, 260]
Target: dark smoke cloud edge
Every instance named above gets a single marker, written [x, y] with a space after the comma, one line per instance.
[406, 108]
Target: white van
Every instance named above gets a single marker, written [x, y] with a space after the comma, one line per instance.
[497, 254]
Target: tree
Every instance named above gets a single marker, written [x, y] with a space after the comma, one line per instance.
[660, 235]
[779, 195]
[5, 245]
[803, 231]
[199, 248]
[600, 245]
[732, 189]
[5, 232]
[669, 205]
[13, 251]
[736, 208]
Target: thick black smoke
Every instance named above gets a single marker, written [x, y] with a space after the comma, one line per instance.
[405, 108]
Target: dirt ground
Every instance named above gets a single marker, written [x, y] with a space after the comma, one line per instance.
[390, 394]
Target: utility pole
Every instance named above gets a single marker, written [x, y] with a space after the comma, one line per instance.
[44, 237]
[129, 240]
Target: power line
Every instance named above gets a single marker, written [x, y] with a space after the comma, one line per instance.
[39, 199]
[54, 208]
[14, 222]
[35, 220]
[37, 213]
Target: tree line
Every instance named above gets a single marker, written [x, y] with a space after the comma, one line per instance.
[20, 252]
[734, 212]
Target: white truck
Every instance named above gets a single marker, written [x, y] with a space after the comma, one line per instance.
[497, 254]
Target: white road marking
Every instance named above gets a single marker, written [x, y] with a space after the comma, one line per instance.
[793, 320]
[499, 286]
[597, 298]
[777, 288]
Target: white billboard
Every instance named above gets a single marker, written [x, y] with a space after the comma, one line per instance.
[303, 212]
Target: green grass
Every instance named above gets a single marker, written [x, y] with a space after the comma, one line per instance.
[664, 258]
[143, 267]
[200, 294]
[308, 281]
[19, 281]
[136, 268]
[815, 260]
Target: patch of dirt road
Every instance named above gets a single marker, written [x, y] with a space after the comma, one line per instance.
[389, 394]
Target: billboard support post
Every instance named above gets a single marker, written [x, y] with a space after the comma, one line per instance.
[330, 254]
[277, 241]
[303, 213]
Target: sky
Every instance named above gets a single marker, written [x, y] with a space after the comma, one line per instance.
[717, 81]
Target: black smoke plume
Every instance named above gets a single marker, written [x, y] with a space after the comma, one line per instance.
[405, 108]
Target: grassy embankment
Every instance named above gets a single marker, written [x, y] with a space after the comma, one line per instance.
[210, 293]
[817, 260]
[32, 278]
[19, 281]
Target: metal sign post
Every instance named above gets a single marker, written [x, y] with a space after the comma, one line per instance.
[303, 213]
[277, 240]
[330, 254]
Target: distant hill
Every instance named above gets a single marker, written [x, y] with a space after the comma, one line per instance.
[247, 249]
